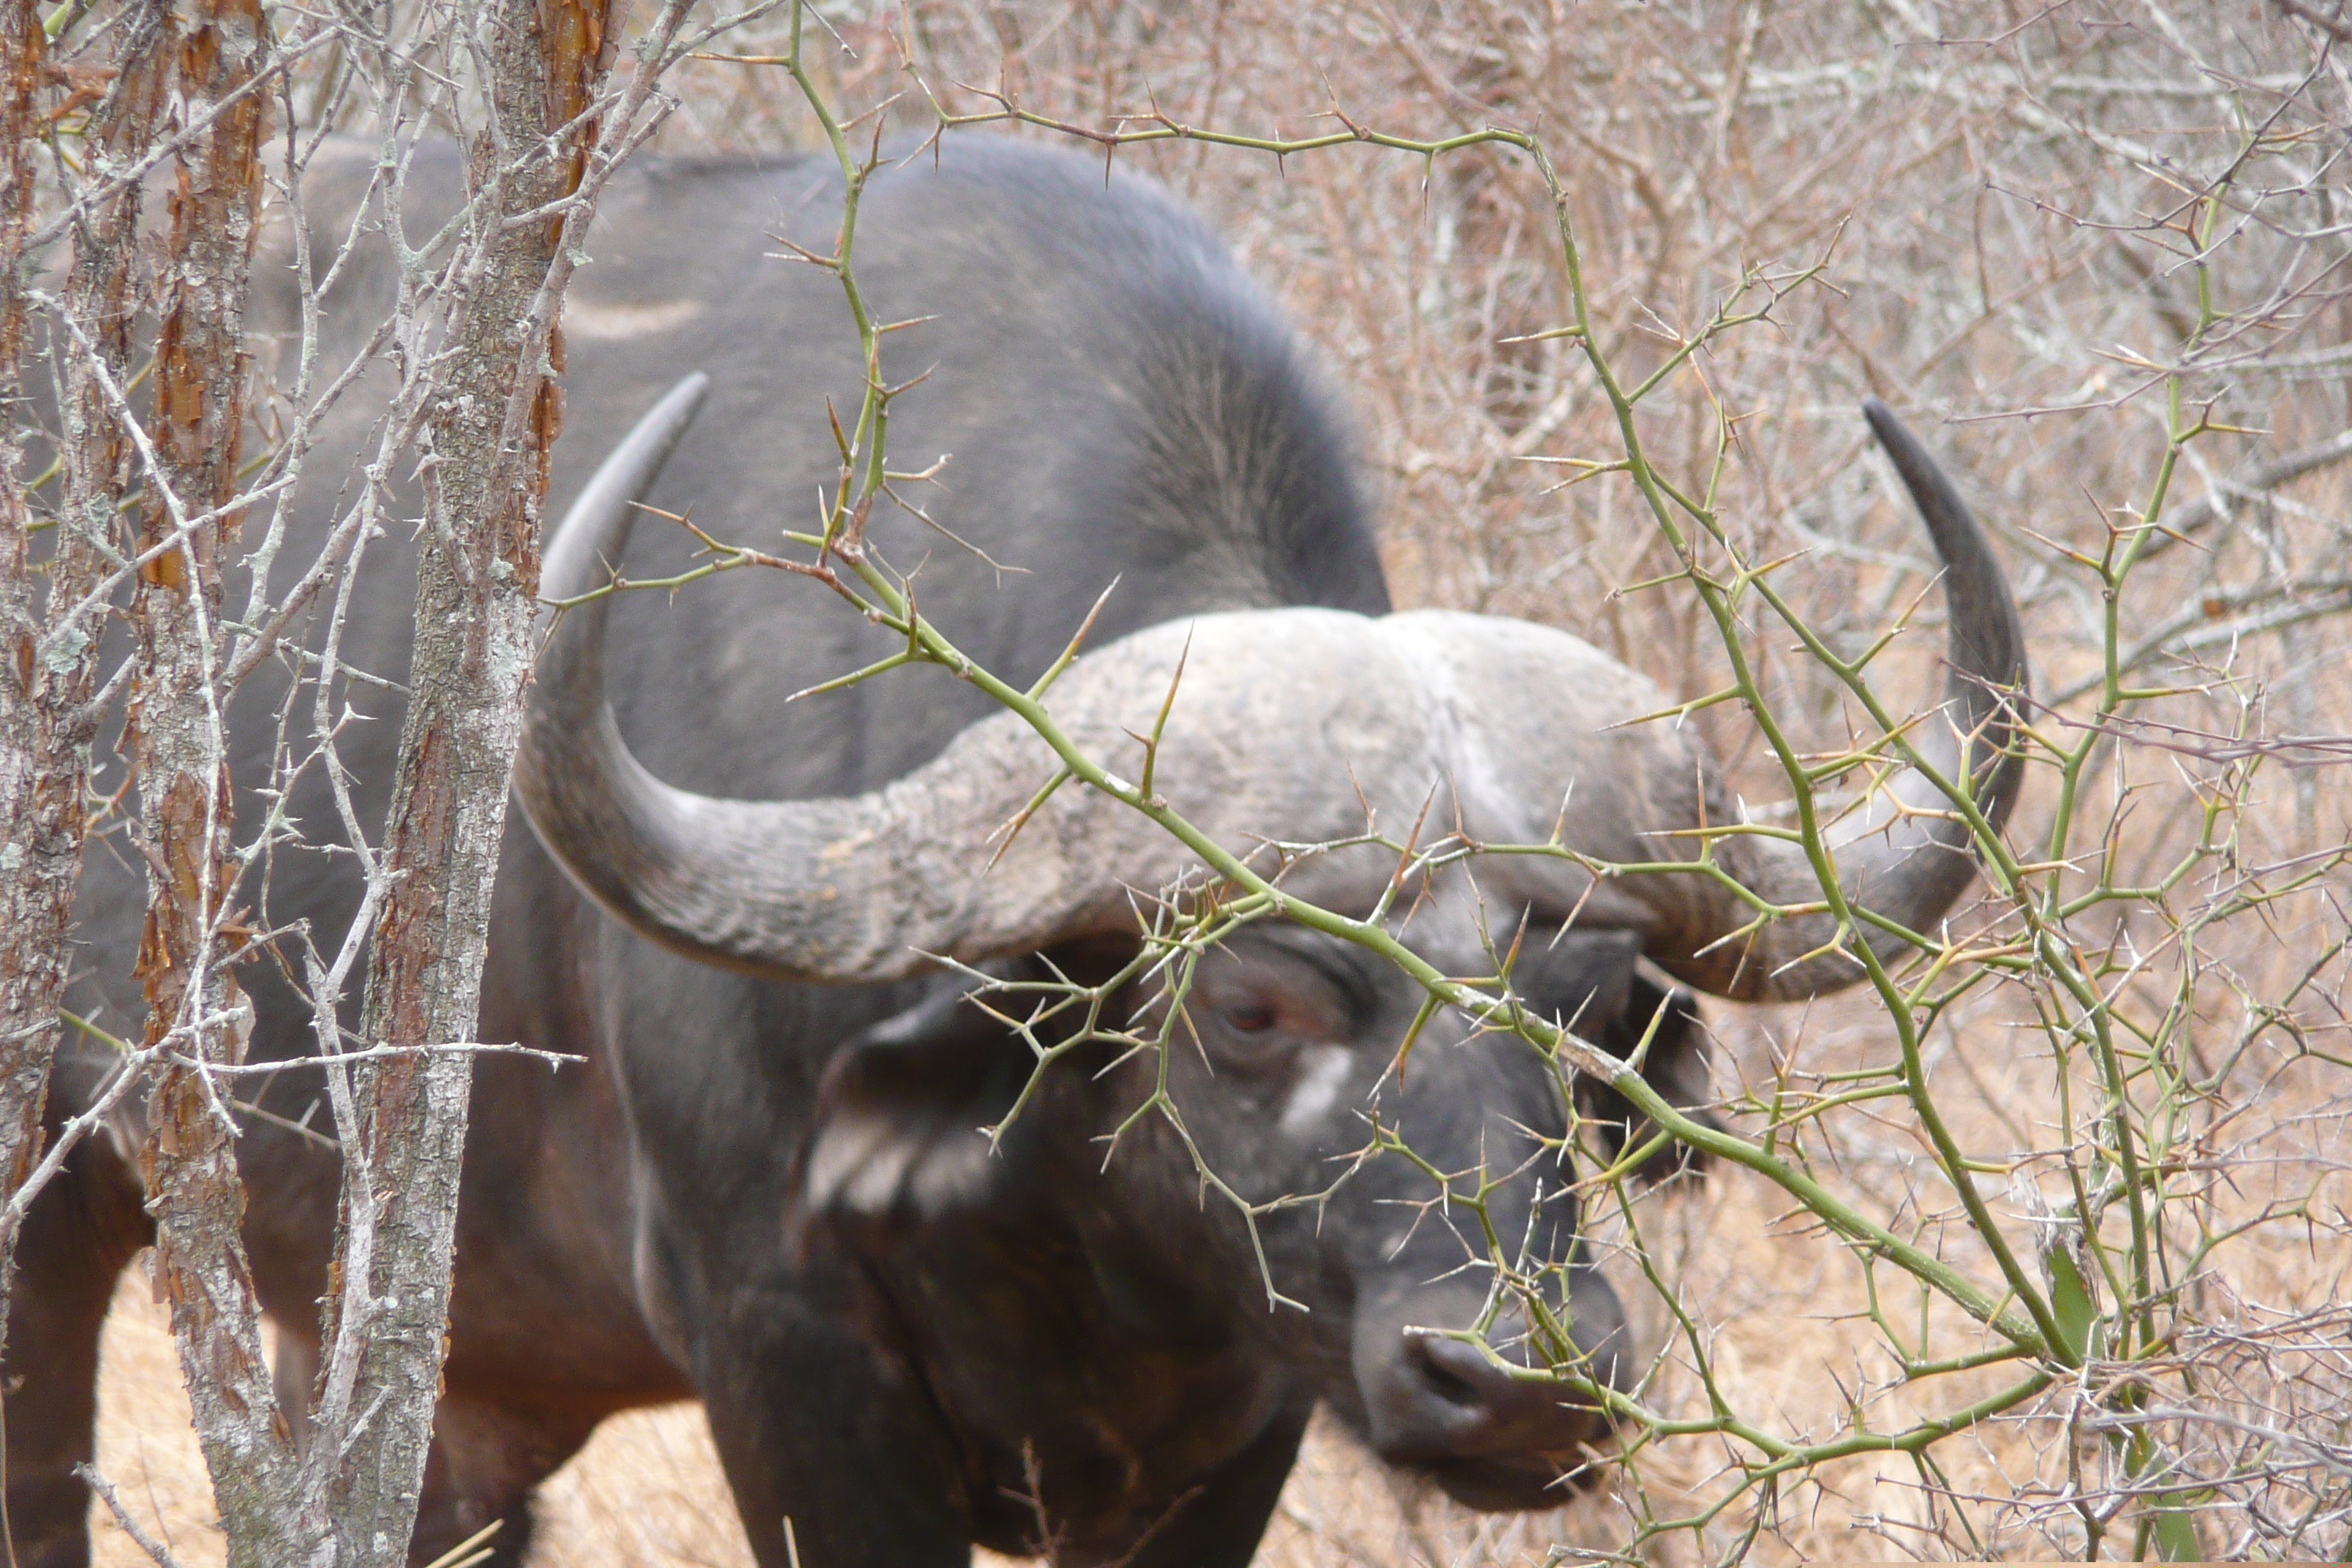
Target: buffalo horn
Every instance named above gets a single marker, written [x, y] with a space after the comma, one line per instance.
[1288, 722]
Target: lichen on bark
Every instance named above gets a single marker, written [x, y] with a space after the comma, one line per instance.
[491, 424]
[176, 741]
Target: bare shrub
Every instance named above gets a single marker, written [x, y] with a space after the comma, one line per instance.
[2106, 243]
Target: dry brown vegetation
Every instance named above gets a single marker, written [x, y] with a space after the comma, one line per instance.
[2044, 231]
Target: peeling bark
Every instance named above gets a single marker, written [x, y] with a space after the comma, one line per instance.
[177, 744]
[43, 833]
[491, 426]
[46, 717]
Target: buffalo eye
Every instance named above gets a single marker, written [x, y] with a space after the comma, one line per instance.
[1251, 1017]
[1252, 1004]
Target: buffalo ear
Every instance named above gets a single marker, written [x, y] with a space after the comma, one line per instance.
[896, 1134]
[1676, 1066]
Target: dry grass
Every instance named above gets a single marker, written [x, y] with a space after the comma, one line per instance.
[648, 1489]
[145, 1444]
[2003, 220]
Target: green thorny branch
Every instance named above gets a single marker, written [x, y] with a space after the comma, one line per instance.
[2046, 1327]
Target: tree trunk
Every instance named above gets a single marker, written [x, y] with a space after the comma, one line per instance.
[42, 821]
[46, 717]
[491, 426]
[177, 744]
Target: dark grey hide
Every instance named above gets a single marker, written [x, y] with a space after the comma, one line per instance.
[773, 1195]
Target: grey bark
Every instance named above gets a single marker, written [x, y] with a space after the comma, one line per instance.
[47, 701]
[176, 742]
[491, 425]
[43, 841]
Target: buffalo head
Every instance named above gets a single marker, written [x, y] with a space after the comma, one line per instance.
[1289, 725]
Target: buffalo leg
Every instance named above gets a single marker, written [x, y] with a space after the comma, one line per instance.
[294, 1377]
[489, 1455]
[488, 1458]
[817, 1425]
[1220, 1525]
[76, 1239]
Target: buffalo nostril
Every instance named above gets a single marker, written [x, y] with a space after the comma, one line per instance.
[1486, 1423]
[1483, 1397]
[1452, 1370]
[1486, 1402]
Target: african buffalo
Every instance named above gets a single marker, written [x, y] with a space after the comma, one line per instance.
[767, 1188]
